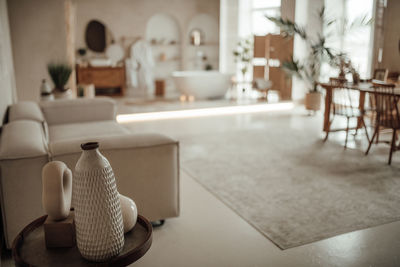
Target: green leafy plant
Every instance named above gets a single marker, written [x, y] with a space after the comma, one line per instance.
[59, 73]
[308, 69]
[243, 55]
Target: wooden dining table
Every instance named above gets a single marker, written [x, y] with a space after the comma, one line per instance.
[363, 88]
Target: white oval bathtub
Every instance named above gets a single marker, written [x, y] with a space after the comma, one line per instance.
[202, 84]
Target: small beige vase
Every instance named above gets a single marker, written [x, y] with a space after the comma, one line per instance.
[98, 217]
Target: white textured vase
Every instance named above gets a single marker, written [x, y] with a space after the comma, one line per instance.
[98, 217]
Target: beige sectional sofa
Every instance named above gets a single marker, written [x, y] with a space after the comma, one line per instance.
[146, 165]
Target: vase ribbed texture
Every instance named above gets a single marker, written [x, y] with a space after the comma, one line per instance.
[98, 217]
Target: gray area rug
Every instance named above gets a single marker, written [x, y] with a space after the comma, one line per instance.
[292, 187]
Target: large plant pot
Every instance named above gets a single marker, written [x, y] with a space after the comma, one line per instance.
[67, 94]
[313, 101]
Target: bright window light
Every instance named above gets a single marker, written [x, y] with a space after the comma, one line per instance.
[203, 112]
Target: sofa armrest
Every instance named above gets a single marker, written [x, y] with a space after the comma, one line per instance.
[78, 110]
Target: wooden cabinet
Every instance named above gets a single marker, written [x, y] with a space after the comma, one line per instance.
[107, 80]
[275, 49]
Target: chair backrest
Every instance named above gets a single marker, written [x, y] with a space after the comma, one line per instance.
[345, 101]
[386, 105]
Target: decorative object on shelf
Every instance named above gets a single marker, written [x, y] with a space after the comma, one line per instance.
[163, 56]
[56, 199]
[129, 212]
[98, 217]
[208, 67]
[46, 93]
[196, 37]
[60, 73]
[82, 52]
[57, 190]
[115, 53]
[160, 87]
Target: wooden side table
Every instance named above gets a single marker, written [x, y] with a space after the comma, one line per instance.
[29, 247]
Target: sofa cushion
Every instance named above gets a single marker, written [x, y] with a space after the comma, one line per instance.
[65, 111]
[25, 110]
[22, 139]
[112, 142]
[71, 131]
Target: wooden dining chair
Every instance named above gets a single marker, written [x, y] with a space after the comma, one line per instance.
[345, 104]
[382, 87]
[387, 116]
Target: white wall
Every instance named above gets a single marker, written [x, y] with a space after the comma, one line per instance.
[128, 18]
[38, 37]
[7, 82]
[229, 34]
[38, 29]
[306, 15]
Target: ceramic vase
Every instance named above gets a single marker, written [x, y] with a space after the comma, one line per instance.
[98, 216]
[129, 212]
[57, 190]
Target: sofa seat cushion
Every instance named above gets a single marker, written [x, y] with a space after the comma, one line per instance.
[71, 131]
[22, 139]
[25, 110]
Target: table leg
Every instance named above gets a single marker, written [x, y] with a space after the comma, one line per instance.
[327, 113]
[361, 104]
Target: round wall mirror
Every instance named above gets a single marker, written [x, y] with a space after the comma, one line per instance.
[97, 36]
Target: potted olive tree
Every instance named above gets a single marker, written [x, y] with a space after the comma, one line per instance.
[308, 70]
[60, 73]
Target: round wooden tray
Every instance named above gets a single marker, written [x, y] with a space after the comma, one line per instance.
[29, 247]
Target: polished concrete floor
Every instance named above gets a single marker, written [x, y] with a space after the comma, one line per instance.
[208, 233]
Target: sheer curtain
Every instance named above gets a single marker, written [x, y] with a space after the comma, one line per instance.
[355, 41]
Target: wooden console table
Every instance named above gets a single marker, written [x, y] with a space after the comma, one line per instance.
[29, 247]
[107, 80]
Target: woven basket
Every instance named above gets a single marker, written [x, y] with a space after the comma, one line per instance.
[98, 217]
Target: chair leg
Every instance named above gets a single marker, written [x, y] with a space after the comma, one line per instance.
[328, 130]
[392, 146]
[372, 140]
[365, 128]
[347, 132]
[377, 136]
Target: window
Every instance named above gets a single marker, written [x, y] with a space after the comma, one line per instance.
[261, 8]
[355, 42]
